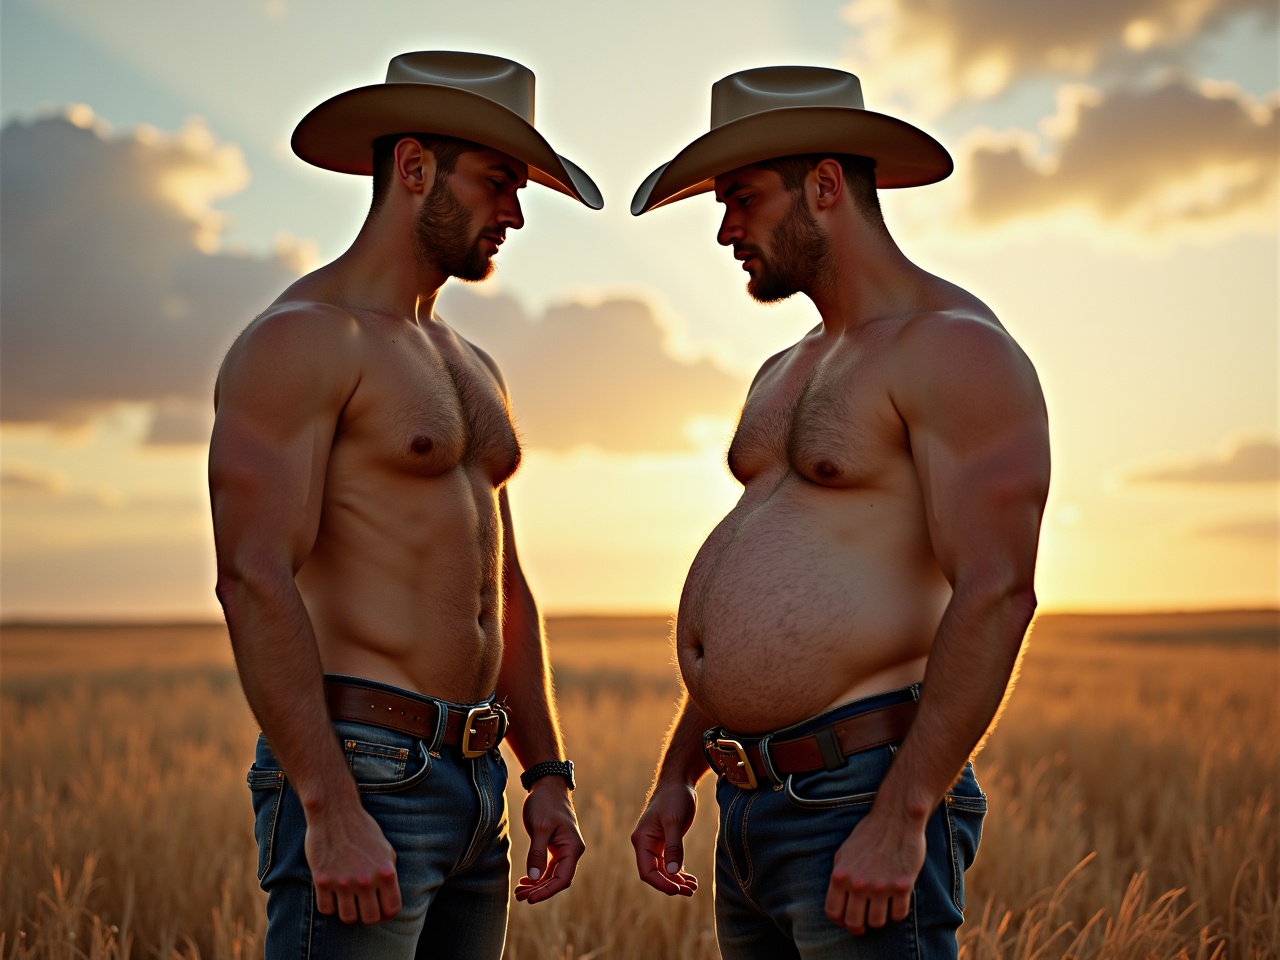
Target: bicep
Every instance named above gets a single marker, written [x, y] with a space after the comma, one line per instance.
[979, 439]
[276, 416]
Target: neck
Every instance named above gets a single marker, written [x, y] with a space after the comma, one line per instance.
[870, 278]
[381, 271]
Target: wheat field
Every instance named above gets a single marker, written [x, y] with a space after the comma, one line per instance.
[1132, 785]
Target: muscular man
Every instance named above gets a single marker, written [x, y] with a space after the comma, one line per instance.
[382, 627]
[847, 633]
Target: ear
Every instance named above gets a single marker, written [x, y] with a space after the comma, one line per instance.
[828, 177]
[415, 166]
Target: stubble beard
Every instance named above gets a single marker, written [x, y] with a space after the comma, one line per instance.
[444, 238]
[799, 257]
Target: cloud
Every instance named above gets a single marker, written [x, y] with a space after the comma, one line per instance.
[933, 53]
[1175, 157]
[1249, 462]
[115, 289]
[1259, 529]
[595, 375]
[21, 479]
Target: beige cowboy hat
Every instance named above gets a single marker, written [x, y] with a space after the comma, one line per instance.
[472, 96]
[773, 112]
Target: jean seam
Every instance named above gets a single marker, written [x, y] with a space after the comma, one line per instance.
[746, 849]
[473, 849]
[954, 850]
[852, 800]
[271, 830]
[400, 785]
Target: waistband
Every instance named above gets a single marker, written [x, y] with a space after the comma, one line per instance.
[475, 728]
[820, 742]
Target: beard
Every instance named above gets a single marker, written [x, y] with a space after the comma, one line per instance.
[799, 257]
[444, 238]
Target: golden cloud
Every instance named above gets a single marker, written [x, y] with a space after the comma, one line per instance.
[1247, 462]
[1177, 156]
[594, 375]
[1264, 529]
[932, 53]
[113, 289]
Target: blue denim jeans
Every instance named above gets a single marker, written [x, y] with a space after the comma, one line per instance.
[777, 844]
[445, 816]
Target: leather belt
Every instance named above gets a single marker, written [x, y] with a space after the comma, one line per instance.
[740, 762]
[474, 731]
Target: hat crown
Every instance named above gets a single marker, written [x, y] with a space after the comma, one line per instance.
[769, 88]
[503, 81]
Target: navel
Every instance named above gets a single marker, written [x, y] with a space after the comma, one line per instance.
[421, 445]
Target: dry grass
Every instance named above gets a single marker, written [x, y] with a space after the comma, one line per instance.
[1132, 785]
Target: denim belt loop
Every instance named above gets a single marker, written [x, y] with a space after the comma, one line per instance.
[766, 761]
[442, 720]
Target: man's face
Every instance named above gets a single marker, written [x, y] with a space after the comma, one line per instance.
[466, 215]
[772, 232]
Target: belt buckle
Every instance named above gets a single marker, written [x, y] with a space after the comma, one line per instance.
[474, 715]
[747, 780]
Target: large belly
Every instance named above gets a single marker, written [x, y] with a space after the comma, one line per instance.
[403, 583]
[805, 598]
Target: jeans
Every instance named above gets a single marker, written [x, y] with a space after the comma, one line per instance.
[445, 816]
[777, 845]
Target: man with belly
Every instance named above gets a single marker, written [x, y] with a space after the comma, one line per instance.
[385, 636]
[847, 634]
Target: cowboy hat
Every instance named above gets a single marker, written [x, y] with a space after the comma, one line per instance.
[773, 112]
[472, 96]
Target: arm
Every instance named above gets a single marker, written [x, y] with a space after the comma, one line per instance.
[525, 683]
[979, 438]
[672, 803]
[280, 392]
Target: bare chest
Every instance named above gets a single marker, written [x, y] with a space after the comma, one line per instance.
[424, 411]
[830, 421]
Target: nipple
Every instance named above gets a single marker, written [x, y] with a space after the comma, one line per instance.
[421, 445]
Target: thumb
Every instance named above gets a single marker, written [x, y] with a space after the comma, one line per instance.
[536, 862]
[673, 846]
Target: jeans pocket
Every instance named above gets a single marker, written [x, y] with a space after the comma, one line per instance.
[853, 785]
[384, 768]
[966, 807]
[267, 789]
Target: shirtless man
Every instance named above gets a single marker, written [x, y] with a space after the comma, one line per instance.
[366, 567]
[847, 633]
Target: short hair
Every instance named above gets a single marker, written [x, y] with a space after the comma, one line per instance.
[859, 176]
[447, 150]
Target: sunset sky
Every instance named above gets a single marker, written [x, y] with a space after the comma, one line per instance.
[1115, 201]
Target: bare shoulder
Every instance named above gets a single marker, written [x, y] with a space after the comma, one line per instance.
[946, 357]
[293, 342]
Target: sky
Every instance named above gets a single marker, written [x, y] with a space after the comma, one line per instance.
[1115, 202]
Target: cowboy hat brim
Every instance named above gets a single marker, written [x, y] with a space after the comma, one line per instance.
[339, 133]
[905, 156]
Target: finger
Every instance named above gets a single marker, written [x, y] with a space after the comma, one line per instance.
[561, 873]
[855, 911]
[536, 862]
[837, 894]
[647, 864]
[901, 900]
[673, 844]
[389, 893]
[878, 906]
[347, 909]
[325, 901]
[366, 898]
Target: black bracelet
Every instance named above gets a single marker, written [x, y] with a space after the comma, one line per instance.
[548, 768]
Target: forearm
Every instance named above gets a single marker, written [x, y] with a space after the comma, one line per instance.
[967, 677]
[525, 683]
[682, 758]
[279, 666]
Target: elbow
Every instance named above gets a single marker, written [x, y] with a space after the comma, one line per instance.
[241, 587]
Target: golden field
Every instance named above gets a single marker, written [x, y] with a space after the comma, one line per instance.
[1132, 783]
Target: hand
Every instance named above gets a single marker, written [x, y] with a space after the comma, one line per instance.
[552, 827]
[352, 865]
[659, 839]
[874, 872]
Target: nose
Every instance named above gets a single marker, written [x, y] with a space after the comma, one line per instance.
[512, 217]
[730, 232]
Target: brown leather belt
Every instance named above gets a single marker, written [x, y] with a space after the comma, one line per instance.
[474, 731]
[740, 762]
